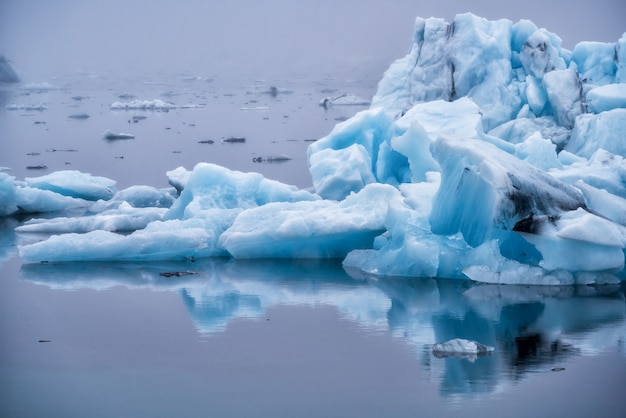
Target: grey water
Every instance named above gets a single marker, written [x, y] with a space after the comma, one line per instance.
[256, 338]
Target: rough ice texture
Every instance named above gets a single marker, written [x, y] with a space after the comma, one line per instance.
[489, 153]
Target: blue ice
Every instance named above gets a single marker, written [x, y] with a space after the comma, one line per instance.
[489, 153]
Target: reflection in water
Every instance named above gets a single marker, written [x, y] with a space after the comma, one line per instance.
[533, 328]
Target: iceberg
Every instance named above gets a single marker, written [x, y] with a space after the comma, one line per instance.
[489, 153]
[8, 74]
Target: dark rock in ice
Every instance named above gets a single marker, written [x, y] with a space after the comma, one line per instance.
[484, 189]
[206, 141]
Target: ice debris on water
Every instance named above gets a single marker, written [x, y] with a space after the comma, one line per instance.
[108, 134]
[461, 347]
[344, 100]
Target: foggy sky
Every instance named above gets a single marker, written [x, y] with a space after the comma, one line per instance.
[47, 37]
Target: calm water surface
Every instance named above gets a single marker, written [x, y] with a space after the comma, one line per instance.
[265, 338]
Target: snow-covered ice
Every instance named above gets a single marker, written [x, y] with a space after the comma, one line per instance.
[489, 152]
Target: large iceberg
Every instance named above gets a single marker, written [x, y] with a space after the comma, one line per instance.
[489, 152]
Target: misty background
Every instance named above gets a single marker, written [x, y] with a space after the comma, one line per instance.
[45, 38]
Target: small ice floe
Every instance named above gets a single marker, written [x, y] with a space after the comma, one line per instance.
[344, 100]
[255, 108]
[113, 136]
[79, 116]
[156, 104]
[79, 98]
[38, 107]
[234, 140]
[126, 96]
[137, 118]
[37, 167]
[459, 347]
[40, 87]
[271, 159]
[197, 78]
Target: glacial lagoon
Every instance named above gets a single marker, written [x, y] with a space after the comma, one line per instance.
[223, 337]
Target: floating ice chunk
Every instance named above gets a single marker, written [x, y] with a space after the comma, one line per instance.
[17, 198]
[125, 218]
[603, 131]
[110, 135]
[536, 95]
[39, 87]
[38, 107]
[612, 96]
[598, 243]
[604, 203]
[280, 158]
[539, 152]
[595, 62]
[75, 184]
[319, 229]
[155, 104]
[469, 57]
[79, 116]
[484, 188]
[344, 100]
[565, 95]
[369, 129]
[138, 197]
[34, 200]
[166, 240]
[7, 195]
[539, 54]
[461, 346]
[210, 186]
[518, 130]
[178, 178]
[7, 71]
[409, 248]
[337, 173]
[460, 118]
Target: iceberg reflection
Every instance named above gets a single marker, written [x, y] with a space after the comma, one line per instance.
[533, 328]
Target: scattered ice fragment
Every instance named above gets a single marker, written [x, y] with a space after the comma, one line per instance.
[79, 116]
[344, 100]
[112, 135]
[143, 105]
[461, 346]
[234, 140]
[38, 107]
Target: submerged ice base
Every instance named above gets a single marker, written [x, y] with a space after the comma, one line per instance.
[489, 152]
